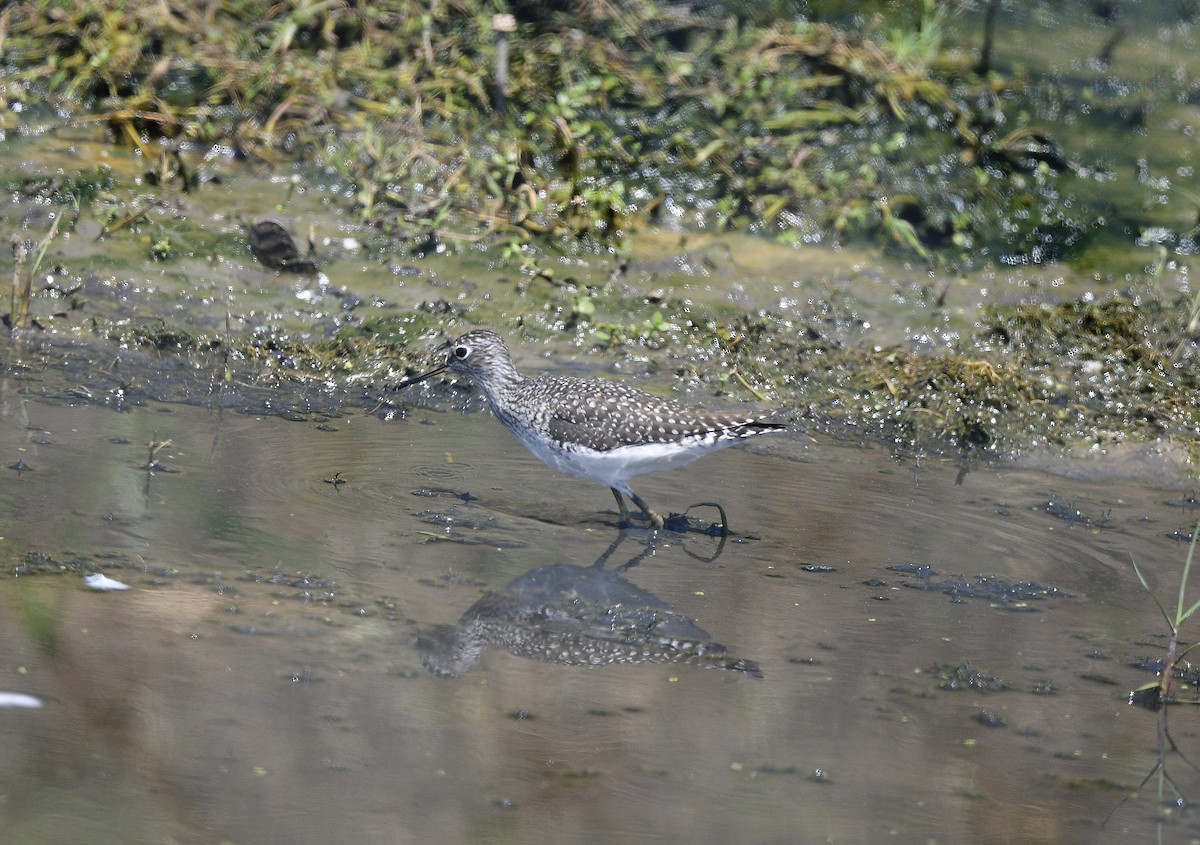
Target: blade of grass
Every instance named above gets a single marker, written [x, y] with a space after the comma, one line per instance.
[1146, 587]
[1184, 653]
[42, 246]
[1187, 568]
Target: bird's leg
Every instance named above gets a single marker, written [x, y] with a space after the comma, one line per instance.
[621, 504]
[655, 519]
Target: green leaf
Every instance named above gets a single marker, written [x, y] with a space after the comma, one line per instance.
[1146, 586]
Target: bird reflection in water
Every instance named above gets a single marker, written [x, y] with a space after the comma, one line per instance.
[576, 616]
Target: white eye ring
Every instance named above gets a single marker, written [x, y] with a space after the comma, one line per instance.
[461, 352]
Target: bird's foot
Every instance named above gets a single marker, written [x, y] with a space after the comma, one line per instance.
[650, 521]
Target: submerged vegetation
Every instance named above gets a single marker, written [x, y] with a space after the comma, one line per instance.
[561, 129]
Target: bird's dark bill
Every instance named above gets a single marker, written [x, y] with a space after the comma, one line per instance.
[409, 382]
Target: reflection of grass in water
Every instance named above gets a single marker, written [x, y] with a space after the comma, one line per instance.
[247, 542]
[1156, 696]
[39, 620]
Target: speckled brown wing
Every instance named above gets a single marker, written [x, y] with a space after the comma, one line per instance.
[624, 416]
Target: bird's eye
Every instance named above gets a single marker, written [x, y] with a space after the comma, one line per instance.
[461, 352]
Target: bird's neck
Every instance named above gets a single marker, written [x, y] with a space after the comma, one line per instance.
[499, 386]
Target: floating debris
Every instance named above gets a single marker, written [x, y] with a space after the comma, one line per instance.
[1188, 674]
[99, 581]
[304, 581]
[965, 676]
[155, 446]
[988, 719]
[20, 700]
[1012, 594]
[1072, 515]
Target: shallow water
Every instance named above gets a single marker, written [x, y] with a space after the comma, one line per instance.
[390, 659]
[262, 681]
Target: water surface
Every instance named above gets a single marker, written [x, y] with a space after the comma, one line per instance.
[263, 680]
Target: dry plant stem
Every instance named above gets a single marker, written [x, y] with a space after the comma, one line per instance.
[1164, 735]
[1168, 669]
[127, 220]
[4, 19]
[27, 292]
[1190, 332]
[19, 253]
[742, 381]
[26, 295]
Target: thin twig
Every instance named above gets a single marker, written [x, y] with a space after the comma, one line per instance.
[117, 225]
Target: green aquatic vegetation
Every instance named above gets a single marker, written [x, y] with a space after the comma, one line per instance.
[958, 403]
[920, 45]
[161, 250]
[1113, 358]
[18, 311]
[653, 332]
[616, 117]
[75, 188]
[162, 337]
[1157, 695]
[1044, 332]
[1159, 692]
[949, 398]
[757, 120]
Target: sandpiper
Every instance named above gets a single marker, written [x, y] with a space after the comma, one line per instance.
[591, 428]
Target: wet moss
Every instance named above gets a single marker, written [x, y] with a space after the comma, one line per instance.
[1125, 324]
[1120, 360]
[36, 562]
[952, 398]
[162, 337]
[1091, 371]
[81, 187]
[1081, 372]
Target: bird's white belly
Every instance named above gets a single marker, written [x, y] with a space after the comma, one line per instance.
[614, 467]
